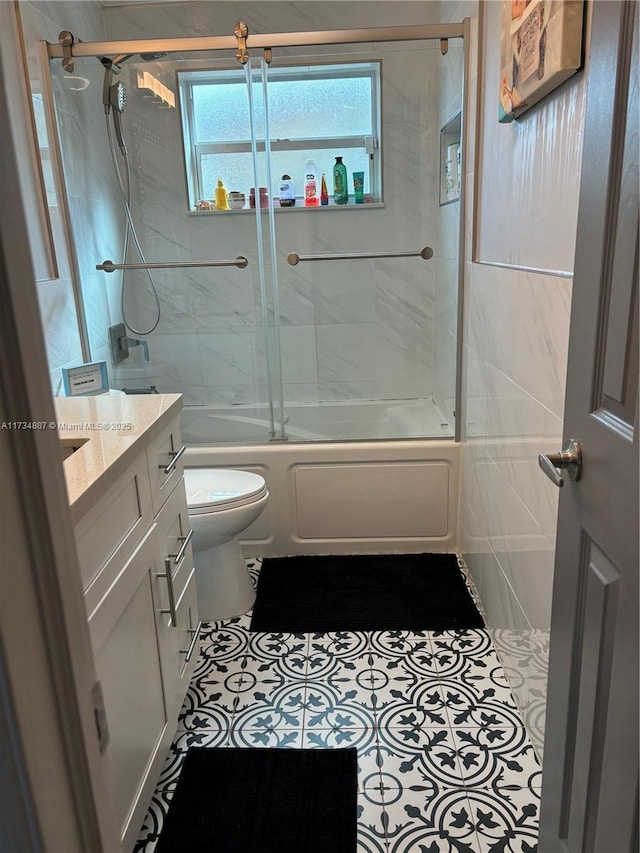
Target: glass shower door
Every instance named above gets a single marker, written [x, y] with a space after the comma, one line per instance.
[217, 326]
[368, 344]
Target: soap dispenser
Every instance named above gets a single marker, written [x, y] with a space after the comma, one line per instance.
[222, 196]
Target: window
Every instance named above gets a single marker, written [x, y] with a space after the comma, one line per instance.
[315, 112]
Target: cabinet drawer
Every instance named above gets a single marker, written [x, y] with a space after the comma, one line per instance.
[110, 532]
[181, 648]
[174, 549]
[164, 456]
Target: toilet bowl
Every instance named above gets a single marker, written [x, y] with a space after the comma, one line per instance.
[222, 504]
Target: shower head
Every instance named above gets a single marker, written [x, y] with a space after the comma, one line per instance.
[115, 95]
[118, 96]
[111, 67]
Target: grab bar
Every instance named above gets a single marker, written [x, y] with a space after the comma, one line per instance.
[108, 266]
[294, 258]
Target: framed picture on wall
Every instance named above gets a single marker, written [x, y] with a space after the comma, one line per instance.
[540, 48]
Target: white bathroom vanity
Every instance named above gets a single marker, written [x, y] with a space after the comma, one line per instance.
[124, 472]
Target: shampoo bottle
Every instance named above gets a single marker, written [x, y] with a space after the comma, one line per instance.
[222, 196]
[311, 184]
[340, 192]
[287, 192]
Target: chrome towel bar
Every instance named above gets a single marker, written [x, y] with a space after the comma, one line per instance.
[294, 258]
[108, 266]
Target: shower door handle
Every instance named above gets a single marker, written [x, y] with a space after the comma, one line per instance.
[569, 460]
[293, 258]
[240, 262]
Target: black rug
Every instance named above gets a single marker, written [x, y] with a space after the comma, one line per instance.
[263, 801]
[379, 592]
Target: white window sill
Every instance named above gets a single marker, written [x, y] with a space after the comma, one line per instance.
[297, 208]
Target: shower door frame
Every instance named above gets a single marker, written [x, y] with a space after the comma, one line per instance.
[270, 41]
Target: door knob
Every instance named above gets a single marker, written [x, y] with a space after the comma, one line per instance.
[569, 460]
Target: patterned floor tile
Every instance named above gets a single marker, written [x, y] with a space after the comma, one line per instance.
[338, 657]
[207, 710]
[412, 754]
[267, 737]
[398, 643]
[226, 641]
[339, 737]
[506, 822]
[425, 818]
[347, 705]
[483, 704]
[268, 708]
[497, 758]
[423, 704]
[471, 642]
[276, 657]
[371, 825]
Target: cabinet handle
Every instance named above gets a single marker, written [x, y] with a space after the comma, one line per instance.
[176, 455]
[179, 557]
[188, 652]
[172, 597]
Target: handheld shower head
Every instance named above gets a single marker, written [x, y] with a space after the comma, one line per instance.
[116, 97]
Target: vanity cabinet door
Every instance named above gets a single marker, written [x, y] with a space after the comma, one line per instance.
[129, 669]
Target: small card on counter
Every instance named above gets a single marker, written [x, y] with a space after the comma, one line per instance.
[85, 379]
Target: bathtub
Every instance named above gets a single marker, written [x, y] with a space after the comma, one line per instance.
[336, 421]
[377, 495]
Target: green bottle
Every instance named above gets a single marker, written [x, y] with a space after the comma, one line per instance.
[340, 191]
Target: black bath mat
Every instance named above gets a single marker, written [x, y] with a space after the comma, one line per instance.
[378, 592]
[263, 801]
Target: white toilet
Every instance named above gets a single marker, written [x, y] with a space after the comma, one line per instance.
[222, 504]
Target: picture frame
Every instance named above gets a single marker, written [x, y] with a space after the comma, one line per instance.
[540, 48]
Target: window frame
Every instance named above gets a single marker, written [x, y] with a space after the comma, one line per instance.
[188, 79]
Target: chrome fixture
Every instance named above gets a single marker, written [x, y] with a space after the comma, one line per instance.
[294, 258]
[120, 343]
[241, 31]
[150, 390]
[145, 47]
[569, 460]
[167, 469]
[108, 266]
[66, 40]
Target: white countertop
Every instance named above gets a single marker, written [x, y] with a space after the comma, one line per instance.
[118, 428]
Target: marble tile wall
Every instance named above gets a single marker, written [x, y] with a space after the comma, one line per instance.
[349, 330]
[95, 209]
[516, 326]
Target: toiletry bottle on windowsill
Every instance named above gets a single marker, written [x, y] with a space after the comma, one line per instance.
[222, 196]
[311, 184]
[324, 194]
[287, 192]
[340, 191]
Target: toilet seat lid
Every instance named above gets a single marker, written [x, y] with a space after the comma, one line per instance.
[215, 488]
